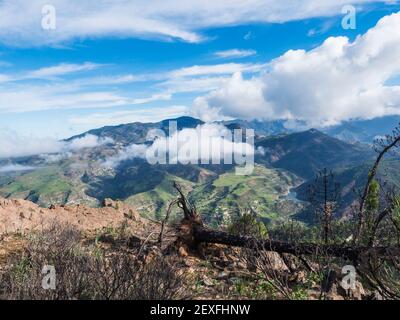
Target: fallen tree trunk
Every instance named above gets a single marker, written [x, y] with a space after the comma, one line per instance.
[194, 232]
[204, 235]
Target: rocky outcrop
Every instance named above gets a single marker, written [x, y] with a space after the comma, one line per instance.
[21, 215]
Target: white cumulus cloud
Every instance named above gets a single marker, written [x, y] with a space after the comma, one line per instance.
[336, 81]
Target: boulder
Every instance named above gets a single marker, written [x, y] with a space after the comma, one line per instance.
[107, 202]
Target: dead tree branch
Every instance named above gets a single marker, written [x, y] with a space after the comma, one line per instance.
[351, 253]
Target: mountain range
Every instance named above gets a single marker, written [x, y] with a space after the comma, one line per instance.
[284, 161]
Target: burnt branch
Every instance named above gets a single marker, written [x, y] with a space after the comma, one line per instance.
[351, 253]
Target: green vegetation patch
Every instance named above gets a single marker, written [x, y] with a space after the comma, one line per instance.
[44, 181]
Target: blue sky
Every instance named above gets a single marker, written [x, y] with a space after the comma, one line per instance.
[90, 75]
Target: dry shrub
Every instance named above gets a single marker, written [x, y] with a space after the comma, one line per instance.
[56, 246]
[269, 266]
[160, 280]
[87, 272]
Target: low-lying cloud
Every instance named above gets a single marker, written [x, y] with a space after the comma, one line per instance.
[87, 141]
[15, 145]
[14, 168]
[205, 144]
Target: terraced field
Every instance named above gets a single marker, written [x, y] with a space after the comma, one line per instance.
[262, 193]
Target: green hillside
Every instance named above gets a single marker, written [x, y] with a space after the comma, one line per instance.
[224, 198]
[304, 153]
[43, 186]
[262, 193]
[352, 182]
[46, 186]
[154, 202]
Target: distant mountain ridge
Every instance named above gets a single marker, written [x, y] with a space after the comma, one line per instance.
[363, 130]
[136, 132]
[284, 160]
[353, 131]
[304, 153]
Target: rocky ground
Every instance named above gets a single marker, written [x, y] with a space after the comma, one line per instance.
[21, 216]
[211, 271]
